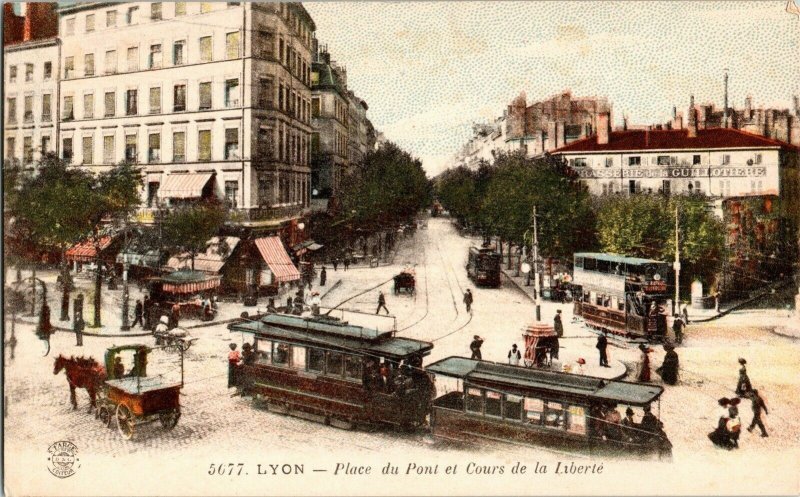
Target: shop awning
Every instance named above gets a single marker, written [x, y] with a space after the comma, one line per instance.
[86, 251]
[218, 249]
[189, 185]
[273, 253]
[189, 282]
[148, 258]
[308, 245]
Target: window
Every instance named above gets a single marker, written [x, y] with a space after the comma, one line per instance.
[155, 56]
[232, 45]
[316, 358]
[155, 100]
[580, 162]
[335, 363]
[352, 367]
[757, 159]
[69, 27]
[131, 154]
[69, 66]
[231, 143]
[634, 186]
[663, 160]
[474, 402]
[88, 64]
[12, 74]
[177, 52]
[155, 11]
[46, 107]
[315, 107]
[726, 159]
[88, 105]
[131, 107]
[266, 93]
[88, 145]
[231, 193]
[666, 186]
[179, 98]
[133, 15]
[299, 357]
[111, 19]
[265, 47]
[205, 49]
[534, 411]
[180, 8]
[154, 147]
[493, 402]
[265, 142]
[111, 62]
[204, 145]
[263, 351]
[512, 407]
[27, 150]
[28, 109]
[280, 97]
[205, 7]
[48, 70]
[89, 23]
[108, 149]
[28, 72]
[68, 111]
[266, 190]
[152, 193]
[133, 59]
[205, 96]
[232, 93]
[11, 145]
[280, 354]
[554, 415]
[179, 146]
[66, 149]
[11, 103]
[577, 420]
[696, 160]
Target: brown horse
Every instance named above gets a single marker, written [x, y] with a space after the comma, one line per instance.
[81, 373]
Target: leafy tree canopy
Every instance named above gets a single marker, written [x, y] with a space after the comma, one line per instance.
[188, 228]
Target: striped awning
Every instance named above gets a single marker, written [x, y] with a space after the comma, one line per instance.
[274, 254]
[218, 250]
[209, 283]
[189, 185]
[86, 251]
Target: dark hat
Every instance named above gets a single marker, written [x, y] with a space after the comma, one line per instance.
[514, 346]
[642, 347]
[476, 337]
[247, 346]
[629, 411]
[742, 361]
[558, 311]
[724, 401]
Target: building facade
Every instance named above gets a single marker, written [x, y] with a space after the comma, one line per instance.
[30, 69]
[212, 99]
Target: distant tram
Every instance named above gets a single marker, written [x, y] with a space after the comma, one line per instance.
[335, 373]
[626, 296]
[483, 266]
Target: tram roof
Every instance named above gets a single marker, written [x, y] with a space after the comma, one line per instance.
[345, 337]
[526, 378]
[617, 258]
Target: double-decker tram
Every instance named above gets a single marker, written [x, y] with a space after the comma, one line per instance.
[626, 296]
[483, 266]
[564, 411]
[333, 372]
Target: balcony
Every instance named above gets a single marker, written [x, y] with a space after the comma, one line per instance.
[266, 214]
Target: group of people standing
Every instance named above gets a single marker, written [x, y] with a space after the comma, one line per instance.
[729, 424]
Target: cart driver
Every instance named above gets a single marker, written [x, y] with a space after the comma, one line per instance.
[119, 369]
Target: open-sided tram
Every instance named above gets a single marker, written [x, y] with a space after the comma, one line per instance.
[483, 266]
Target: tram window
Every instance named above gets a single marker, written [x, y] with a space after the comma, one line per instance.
[579, 262]
[299, 357]
[577, 420]
[352, 367]
[534, 408]
[474, 400]
[598, 299]
[606, 301]
[263, 351]
[554, 415]
[493, 403]
[621, 305]
[512, 408]
[590, 264]
[335, 360]
[613, 303]
[316, 360]
[280, 354]
[587, 297]
[604, 266]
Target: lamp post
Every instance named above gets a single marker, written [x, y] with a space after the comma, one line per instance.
[125, 294]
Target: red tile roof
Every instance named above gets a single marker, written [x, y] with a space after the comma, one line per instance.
[674, 139]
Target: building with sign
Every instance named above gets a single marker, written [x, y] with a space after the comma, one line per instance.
[720, 162]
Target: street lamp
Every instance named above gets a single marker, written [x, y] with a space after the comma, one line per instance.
[125, 293]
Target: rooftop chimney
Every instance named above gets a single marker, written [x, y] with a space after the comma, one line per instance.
[725, 110]
[603, 128]
[692, 125]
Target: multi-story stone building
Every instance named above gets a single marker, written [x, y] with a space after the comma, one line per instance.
[212, 99]
[30, 69]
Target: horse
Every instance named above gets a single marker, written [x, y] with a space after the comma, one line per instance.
[81, 373]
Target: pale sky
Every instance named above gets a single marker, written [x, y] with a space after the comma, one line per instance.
[429, 70]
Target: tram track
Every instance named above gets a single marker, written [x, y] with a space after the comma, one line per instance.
[427, 294]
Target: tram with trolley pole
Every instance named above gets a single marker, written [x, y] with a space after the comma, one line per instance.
[483, 266]
[625, 296]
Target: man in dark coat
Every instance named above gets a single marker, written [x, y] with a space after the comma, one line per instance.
[146, 313]
[558, 325]
[468, 300]
[669, 368]
[381, 303]
[138, 311]
[677, 327]
[323, 276]
[602, 345]
[758, 406]
[475, 347]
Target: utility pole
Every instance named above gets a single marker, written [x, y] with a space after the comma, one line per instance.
[536, 285]
[125, 289]
[677, 266]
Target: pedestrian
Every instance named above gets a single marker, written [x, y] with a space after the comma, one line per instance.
[146, 312]
[719, 436]
[677, 327]
[138, 311]
[233, 362]
[315, 303]
[346, 262]
[161, 328]
[743, 386]
[558, 325]
[514, 355]
[468, 300]
[381, 303]
[685, 313]
[323, 276]
[758, 405]
[335, 264]
[475, 347]
[602, 345]
[581, 362]
[45, 327]
[669, 368]
[644, 363]
[734, 424]
[175, 315]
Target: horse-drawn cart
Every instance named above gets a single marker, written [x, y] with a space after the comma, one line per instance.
[133, 397]
[541, 344]
[405, 282]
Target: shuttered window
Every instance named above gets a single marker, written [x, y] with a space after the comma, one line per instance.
[130, 148]
[108, 149]
[205, 49]
[68, 111]
[179, 98]
[88, 145]
[155, 100]
[88, 106]
[88, 64]
[154, 147]
[133, 59]
[178, 146]
[232, 143]
[232, 45]
[180, 8]
[110, 107]
[204, 145]
[111, 62]
[205, 96]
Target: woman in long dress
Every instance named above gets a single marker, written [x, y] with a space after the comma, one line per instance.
[669, 368]
[720, 436]
[644, 364]
[743, 386]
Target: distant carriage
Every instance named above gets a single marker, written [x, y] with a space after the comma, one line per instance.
[405, 282]
[483, 266]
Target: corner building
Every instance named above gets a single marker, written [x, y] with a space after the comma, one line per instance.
[212, 99]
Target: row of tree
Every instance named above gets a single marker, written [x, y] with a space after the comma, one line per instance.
[497, 199]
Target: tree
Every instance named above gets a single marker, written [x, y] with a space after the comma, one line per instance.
[187, 229]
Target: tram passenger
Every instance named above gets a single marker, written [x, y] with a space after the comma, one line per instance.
[385, 377]
[650, 423]
[248, 354]
[612, 423]
[629, 426]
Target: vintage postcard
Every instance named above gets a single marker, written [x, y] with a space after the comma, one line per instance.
[401, 248]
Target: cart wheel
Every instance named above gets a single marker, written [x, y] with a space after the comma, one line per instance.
[105, 416]
[169, 419]
[528, 363]
[125, 421]
[184, 345]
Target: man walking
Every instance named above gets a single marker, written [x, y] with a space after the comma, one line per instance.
[475, 347]
[381, 303]
[514, 355]
[758, 405]
[558, 325]
[677, 327]
[468, 300]
[335, 263]
[346, 262]
[323, 276]
[138, 311]
[602, 345]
